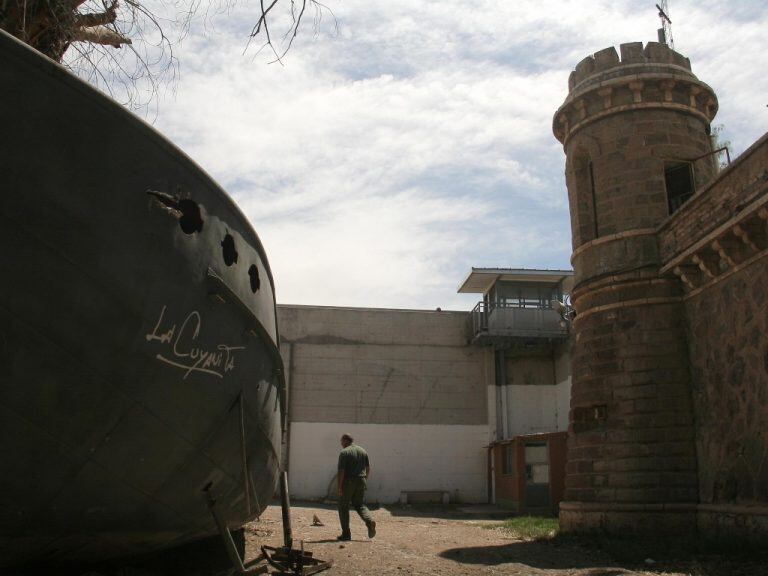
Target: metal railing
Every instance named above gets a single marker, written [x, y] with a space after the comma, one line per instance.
[518, 318]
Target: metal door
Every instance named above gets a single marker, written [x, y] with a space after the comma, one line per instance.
[536, 475]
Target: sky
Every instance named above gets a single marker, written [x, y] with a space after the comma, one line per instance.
[401, 143]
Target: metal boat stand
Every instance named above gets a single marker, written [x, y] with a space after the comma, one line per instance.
[286, 560]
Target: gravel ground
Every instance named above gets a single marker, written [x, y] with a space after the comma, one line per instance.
[443, 542]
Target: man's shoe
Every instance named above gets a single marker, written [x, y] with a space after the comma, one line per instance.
[346, 537]
[372, 529]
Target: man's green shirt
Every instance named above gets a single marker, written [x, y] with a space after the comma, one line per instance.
[353, 460]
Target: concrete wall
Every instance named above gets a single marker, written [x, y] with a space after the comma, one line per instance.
[403, 457]
[531, 409]
[405, 380]
[536, 396]
[563, 404]
[563, 383]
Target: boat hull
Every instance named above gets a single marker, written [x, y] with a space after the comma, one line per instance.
[138, 360]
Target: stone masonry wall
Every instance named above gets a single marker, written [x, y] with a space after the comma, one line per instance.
[631, 417]
[631, 453]
[718, 244]
[670, 361]
[728, 327]
[628, 152]
[736, 187]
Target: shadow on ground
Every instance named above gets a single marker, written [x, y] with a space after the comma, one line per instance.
[531, 553]
[611, 557]
[439, 511]
[448, 512]
[325, 504]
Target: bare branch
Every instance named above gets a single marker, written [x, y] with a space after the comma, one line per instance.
[100, 35]
[262, 21]
[97, 18]
[81, 34]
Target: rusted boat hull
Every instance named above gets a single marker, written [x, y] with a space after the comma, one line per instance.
[138, 355]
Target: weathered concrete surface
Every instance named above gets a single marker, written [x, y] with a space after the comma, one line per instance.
[536, 394]
[374, 366]
[404, 457]
[415, 393]
[404, 383]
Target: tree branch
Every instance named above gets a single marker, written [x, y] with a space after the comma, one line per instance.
[97, 18]
[100, 35]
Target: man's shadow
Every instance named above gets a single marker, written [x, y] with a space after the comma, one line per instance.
[333, 540]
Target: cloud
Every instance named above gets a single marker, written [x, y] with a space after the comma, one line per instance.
[380, 162]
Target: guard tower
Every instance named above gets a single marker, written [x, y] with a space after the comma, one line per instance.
[517, 305]
[635, 130]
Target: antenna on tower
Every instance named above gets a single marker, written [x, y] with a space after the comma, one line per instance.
[665, 32]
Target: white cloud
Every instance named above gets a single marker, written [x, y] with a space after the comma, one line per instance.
[379, 164]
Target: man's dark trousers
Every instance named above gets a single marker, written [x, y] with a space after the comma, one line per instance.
[353, 492]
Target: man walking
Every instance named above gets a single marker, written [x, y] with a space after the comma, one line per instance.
[354, 468]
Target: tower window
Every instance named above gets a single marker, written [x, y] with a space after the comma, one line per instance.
[586, 199]
[594, 198]
[678, 177]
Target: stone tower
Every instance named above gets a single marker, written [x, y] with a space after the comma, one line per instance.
[635, 131]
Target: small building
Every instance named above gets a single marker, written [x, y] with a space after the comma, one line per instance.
[517, 304]
[528, 472]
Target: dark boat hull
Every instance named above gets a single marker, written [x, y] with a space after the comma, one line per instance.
[138, 363]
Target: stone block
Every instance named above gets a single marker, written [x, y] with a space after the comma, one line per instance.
[584, 69]
[606, 58]
[658, 53]
[632, 53]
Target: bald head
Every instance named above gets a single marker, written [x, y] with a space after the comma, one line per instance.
[346, 440]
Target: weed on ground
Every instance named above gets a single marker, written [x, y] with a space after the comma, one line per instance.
[528, 527]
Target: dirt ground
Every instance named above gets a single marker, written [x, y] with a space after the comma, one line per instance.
[447, 543]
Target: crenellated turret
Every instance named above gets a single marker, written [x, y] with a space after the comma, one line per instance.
[654, 77]
[635, 131]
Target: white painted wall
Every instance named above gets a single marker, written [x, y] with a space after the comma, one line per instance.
[531, 409]
[534, 409]
[563, 380]
[403, 457]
